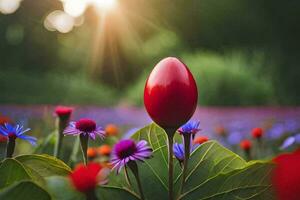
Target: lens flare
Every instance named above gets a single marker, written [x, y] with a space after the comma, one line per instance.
[104, 4]
[75, 8]
[9, 6]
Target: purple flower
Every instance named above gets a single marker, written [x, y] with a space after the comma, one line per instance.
[17, 131]
[179, 150]
[277, 131]
[86, 127]
[127, 150]
[290, 141]
[234, 138]
[191, 127]
[291, 125]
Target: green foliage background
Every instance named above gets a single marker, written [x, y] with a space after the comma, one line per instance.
[243, 52]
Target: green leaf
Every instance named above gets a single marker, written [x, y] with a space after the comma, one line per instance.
[210, 167]
[24, 190]
[251, 182]
[12, 171]
[115, 193]
[209, 160]
[44, 165]
[61, 189]
[154, 171]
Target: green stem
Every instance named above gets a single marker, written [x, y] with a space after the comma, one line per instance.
[3, 146]
[84, 139]
[61, 125]
[10, 147]
[127, 176]
[73, 157]
[134, 168]
[248, 155]
[170, 133]
[187, 144]
[91, 195]
[259, 148]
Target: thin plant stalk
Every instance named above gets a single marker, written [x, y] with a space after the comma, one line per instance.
[170, 133]
[84, 139]
[259, 148]
[61, 123]
[248, 155]
[10, 147]
[134, 168]
[73, 157]
[3, 146]
[91, 195]
[127, 176]
[187, 146]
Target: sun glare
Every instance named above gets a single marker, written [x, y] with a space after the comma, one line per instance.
[76, 8]
[104, 4]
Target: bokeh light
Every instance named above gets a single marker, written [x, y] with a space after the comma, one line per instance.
[75, 8]
[9, 6]
[59, 21]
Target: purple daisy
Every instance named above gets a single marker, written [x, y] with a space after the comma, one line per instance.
[17, 131]
[191, 127]
[127, 150]
[86, 127]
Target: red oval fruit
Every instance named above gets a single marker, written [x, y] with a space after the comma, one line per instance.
[170, 94]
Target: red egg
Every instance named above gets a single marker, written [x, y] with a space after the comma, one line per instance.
[170, 94]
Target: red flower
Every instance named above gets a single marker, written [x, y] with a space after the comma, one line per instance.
[86, 125]
[4, 120]
[86, 178]
[220, 130]
[286, 176]
[246, 145]
[3, 138]
[200, 139]
[170, 94]
[63, 111]
[257, 132]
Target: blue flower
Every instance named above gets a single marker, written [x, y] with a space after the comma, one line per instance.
[290, 141]
[235, 138]
[17, 131]
[179, 151]
[191, 127]
[277, 131]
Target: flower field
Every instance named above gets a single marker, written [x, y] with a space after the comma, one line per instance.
[99, 153]
[149, 100]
